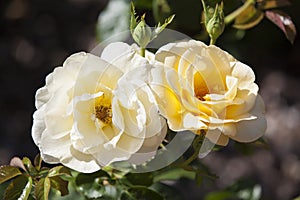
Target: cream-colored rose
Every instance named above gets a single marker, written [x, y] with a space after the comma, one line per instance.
[203, 87]
[97, 110]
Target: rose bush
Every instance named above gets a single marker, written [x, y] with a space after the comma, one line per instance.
[202, 87]
[97, 110]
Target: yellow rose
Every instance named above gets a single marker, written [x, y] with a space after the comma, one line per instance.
[97, 110]
[204, 87]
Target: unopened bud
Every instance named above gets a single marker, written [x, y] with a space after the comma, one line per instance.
[142, 34]
[215, 25]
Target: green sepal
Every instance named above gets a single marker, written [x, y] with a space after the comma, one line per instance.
[133, 19]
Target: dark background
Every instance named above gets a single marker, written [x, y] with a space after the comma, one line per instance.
[38, 35]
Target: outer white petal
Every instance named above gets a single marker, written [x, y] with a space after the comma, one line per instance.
[150, 146]
[96, 73]
[123, 56]
[38, 126]
[251, 130]
[244, 74]
[42, 96]
[60, 150]
[216, 137]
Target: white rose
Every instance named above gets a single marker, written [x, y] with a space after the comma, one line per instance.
[202, 87]
[94, 111]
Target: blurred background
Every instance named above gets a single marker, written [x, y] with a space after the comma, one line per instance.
[38, 35]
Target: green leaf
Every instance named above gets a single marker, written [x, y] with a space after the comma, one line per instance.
[143, 179]
[297, 198]
[87, 178]
[42, 189]
[174, 174]
[73, 194]
[111, 192]
[59, 171]
[38, 162]
[221, 195]
[29, 167]
[60, 185]
[167, 191]
[3, 187]
[90, 185]
[140, 193]
[18, 189]
[8, 172]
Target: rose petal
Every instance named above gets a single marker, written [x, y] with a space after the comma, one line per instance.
[251, 130]
[216, 137]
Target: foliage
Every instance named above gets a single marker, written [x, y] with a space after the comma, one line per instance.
[24, 180]
[32, 181]
[28, 181]
[241, 190]
[241, 15]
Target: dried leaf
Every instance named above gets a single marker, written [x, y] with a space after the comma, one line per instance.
[249, 18]
[17, 162]
[269, 4]
[284, 22]
[8, 172]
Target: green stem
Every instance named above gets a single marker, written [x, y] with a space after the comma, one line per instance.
[229, 18]
[196, 147]
[143, 51]
[212, 41]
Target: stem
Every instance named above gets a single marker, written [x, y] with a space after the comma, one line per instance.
[143, 51]
[229, 18]
[196, 150]
[212, 41]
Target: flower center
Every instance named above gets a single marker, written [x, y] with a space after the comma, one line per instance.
[200, 87]
[104, 113]
[103, 109]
